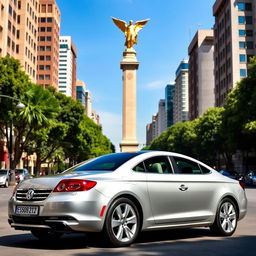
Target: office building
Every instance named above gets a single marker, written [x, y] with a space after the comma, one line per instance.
[181, 100]
[18, 33]
[234, 43]
[162, 118]
[169, 98]
[48, 43]
[201, 73]
[67, 66]
[151, 130]
[81, 91]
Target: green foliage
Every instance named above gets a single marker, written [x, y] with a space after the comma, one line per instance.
[51, 125]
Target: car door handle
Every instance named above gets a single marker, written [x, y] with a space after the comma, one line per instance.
[183, 187]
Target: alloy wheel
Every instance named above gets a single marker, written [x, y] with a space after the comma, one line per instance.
[228, 217]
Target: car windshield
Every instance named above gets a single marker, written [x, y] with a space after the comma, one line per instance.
[105, 163]
[3, 171]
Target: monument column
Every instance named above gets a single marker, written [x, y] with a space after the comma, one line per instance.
[129, 65]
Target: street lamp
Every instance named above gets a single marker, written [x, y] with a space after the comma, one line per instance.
[20, 105]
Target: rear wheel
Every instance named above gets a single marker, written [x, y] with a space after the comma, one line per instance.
[226, 218]
[46, 235]
[122, 223]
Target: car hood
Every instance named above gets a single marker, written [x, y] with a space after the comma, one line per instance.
[50, 182]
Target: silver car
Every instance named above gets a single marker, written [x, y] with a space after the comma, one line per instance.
[121, 194]
[5, 177]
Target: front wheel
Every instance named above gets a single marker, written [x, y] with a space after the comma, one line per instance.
[226, 218]
[46, 235]
[6, 184]
[122, 223]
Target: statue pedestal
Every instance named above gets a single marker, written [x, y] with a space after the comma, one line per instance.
[129, 65]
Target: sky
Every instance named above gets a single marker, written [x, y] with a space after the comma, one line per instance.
[162, 44]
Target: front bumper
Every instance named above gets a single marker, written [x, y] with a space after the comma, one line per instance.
[63, 212]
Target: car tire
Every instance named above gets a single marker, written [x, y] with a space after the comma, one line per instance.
[122, 223]
[6, 185]
[226, 218]
[45, 235]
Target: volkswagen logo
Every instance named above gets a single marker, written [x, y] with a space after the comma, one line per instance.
[30, 194]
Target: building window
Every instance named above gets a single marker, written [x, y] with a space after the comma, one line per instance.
[18, 34]
[17, 48]
[242, 32]
[10, 10]
[19, 5]
[242, 45]
[49, 38]
[242, 72]
[41, 67]
[241, 19]
[18, 19]
[42, 20]
[49, 29]
[49, 19]
[241, 6]
[48, 57]
[42, 29]
[41, 57]
[249, 45]
[48, 48]
[9, 26]
[47, 77]
[248, 19]
[42, 38]
[41, 48]
[242, 57]
[41, 77]
[43, 8]
[49, 7]
[47, 67]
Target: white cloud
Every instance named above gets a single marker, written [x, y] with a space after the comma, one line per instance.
[112, 127]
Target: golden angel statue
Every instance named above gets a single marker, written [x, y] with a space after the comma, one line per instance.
[130, 31]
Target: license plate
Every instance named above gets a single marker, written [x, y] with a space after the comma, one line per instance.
[27, 210]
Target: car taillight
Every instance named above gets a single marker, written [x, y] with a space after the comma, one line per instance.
[70, 185]
[242, 184]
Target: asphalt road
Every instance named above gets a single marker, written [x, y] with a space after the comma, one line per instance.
[178, 242]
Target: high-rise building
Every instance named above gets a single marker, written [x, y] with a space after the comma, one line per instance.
[181, 101]
[151, 130]
[162, 119]
[201, 73]
[48, 43]
[169, 98]
[234, 43]
[67, 66]
[18, 32]
[81, 91]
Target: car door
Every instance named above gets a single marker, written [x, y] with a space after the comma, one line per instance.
[176, 197]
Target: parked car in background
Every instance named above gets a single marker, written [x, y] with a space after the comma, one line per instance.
[5, 177]
[231, 174]
[250, 178]
[122, 194]
[23, 174]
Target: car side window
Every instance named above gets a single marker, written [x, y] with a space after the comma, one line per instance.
[204, 169]
[158, 164]
[139, 167]
[185, 166]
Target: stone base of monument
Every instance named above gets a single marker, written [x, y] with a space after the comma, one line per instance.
[126, 146]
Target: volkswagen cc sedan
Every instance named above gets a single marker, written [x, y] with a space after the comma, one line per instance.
[122, 194]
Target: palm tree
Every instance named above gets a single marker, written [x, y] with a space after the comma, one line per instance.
[41, 107]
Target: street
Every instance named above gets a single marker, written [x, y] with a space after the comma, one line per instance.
[197, 241]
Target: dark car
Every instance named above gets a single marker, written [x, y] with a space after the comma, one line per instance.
[5, 177]
[23, 174]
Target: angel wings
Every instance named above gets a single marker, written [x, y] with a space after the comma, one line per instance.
[130, 31]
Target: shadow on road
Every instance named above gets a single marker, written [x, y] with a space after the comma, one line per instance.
[172, 242]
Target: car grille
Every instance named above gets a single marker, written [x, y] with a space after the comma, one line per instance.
[39, 195]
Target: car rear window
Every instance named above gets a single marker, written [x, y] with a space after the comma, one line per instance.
[3, 171]
[106, 163]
